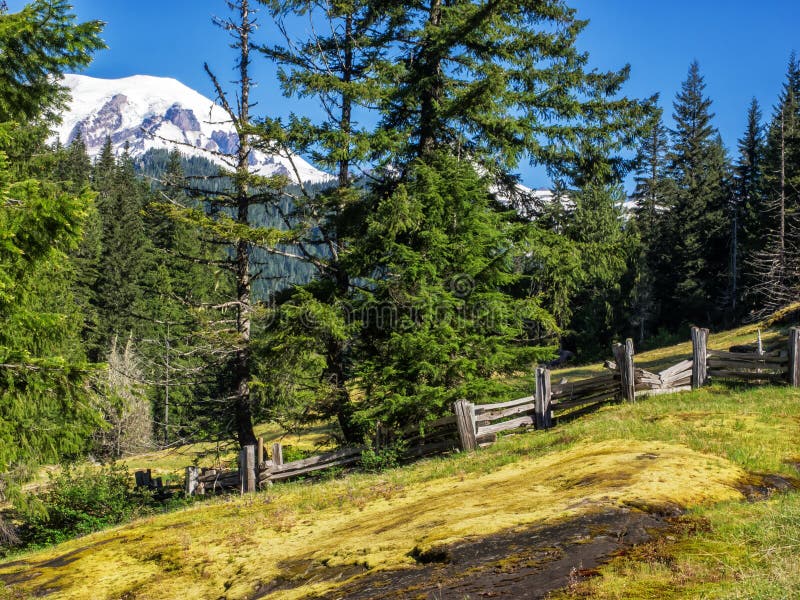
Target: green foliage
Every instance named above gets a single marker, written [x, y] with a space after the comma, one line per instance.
[375, 460]
[683, 219]
[438, 324]
[44, 407]
[44, 413]
[597, 225]
[82, 500]
[37, 45]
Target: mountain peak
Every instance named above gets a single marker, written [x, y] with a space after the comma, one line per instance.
[146, 112]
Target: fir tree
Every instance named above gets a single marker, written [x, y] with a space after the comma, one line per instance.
[438, 319]
[126, 253]
[596, 225]
[774, 268]
[228, 222]
[45, 410]
[694, 275]
[651, 194]
[749, 208]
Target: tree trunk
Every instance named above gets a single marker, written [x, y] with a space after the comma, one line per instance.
[242, 400]
[431, 71]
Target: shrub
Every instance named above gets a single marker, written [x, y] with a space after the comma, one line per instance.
[80, 501]
[387, 457]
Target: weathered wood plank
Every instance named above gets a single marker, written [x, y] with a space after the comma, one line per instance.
[793, 375]
[465, 420]
[288, 473]
[670, 390]
[596, 399]
[526, 421]
[277, 454]
[684, 365]
[623, 355]
[247, 468]
[749, 356]
[326, 459]
[486, 439]
[543, 412]
[494, 415]
[589, 391]
[191, 481]
[699, 357]
[717, 363]
[561, 389]
[483, 408]
[726, 374]
[676, 376]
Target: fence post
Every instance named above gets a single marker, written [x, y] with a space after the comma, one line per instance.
[623, 355]
[542, 411]
[247, 468]
[380, 436]
[277, 454]
[260, 453]
[465, 420]
[794, 357]
[699, 357]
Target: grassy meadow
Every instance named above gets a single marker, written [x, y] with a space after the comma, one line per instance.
[697, 450]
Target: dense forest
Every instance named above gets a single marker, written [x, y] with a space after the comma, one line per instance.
[150, 302]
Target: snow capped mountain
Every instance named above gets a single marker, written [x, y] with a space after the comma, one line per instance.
[157, 112]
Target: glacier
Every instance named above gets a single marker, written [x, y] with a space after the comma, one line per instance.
[144, 112]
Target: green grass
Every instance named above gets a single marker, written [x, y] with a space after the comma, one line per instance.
[706, 444]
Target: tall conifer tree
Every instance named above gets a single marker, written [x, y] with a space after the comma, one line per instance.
[695, 273]
[44, 408]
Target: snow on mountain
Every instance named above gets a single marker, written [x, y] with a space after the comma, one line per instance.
[157, 112]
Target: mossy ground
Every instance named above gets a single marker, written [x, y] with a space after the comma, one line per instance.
[689, 449]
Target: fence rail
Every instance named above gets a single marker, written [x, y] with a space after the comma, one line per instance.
[472, 426]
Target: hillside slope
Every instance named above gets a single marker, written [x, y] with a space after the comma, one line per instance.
[596, 507]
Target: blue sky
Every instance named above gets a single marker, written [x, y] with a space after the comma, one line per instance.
[742, 47]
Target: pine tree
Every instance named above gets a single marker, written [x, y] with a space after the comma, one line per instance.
[394, 60]
[503, 81]
[229, 222]
[179, 287]
[126, 253]
[597, 226]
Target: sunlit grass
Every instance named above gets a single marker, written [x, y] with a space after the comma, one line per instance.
[321, 534]
[704, 443]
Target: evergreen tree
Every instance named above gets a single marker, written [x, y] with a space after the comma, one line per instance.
[775, 271]
[651, 194]
[397, 61]
[694, 273]
[179, 287]
[126, 252]
[597, 226]
[45, 409]
[438, 320]
[503, 81]
[229, 223]
[749, 208]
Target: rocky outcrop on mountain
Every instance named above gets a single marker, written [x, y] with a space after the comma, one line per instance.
[142, 113]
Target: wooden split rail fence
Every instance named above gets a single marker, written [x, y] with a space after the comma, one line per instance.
[473, 426]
